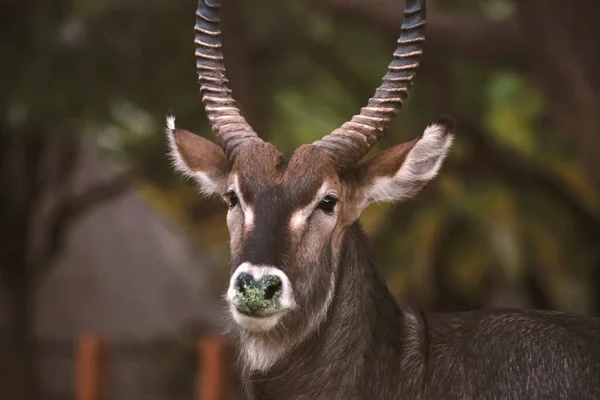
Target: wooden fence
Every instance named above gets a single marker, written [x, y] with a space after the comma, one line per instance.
[213, 375]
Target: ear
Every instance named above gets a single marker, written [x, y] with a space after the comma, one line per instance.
[198, 158]
[402, 171]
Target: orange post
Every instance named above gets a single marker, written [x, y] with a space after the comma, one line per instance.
[210, 368]
[89, 368]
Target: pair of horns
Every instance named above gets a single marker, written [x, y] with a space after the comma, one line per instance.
[347, 144]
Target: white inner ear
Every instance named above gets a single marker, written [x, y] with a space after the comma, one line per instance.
[422, 164]
[206, 185]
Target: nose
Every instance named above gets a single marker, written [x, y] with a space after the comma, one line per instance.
[256, 295]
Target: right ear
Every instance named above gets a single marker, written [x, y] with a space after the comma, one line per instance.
[400, 172]
[198, 158]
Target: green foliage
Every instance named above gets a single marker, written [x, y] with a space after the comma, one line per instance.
[513, 107]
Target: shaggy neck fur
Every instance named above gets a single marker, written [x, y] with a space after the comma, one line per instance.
[358, 342]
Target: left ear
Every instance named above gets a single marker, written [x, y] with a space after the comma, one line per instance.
[402, 171]
[198, 158]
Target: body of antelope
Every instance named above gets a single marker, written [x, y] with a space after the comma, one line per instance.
[311, 317]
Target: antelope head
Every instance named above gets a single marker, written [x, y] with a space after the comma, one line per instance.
[288, 216]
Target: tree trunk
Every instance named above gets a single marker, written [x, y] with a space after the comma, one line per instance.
[19, 362]
[565, 52]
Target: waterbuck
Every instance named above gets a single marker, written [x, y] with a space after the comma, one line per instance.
[310, 314]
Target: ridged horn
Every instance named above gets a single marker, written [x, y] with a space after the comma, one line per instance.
[353, 140]
[231, 129]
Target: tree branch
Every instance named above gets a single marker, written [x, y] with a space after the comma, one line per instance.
[506, 166]
[517, 171]
[449, 33]
[66, 213]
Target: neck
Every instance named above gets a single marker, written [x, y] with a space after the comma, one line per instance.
[359, 340]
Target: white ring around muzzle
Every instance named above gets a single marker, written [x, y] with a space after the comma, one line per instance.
[286, 301]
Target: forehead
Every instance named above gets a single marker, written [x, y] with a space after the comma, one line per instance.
[261, 169]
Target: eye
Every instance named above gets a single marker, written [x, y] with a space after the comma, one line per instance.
[328, 204]
[231, 198]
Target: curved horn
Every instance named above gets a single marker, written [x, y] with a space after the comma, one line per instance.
[231, 129]
[353, 140]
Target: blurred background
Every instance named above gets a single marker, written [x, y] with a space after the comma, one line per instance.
[98, 236]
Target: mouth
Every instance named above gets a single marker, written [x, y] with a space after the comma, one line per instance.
[256, 322]
[254, 314]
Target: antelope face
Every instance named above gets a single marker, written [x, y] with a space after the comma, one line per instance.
[283, 216]
[287, 217]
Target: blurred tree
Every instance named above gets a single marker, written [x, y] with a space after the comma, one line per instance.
[40, 146]
[38, 168]
[564, 60]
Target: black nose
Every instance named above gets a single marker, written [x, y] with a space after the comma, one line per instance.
[243, 282]
[257, 295]
[271, 285]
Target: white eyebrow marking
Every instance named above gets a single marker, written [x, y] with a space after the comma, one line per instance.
[248, 219]
[299, 217]
[246, 208]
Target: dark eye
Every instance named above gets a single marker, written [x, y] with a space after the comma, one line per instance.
[328, 204]
[232, 199]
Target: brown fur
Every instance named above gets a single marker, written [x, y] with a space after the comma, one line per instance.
[200, 154]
